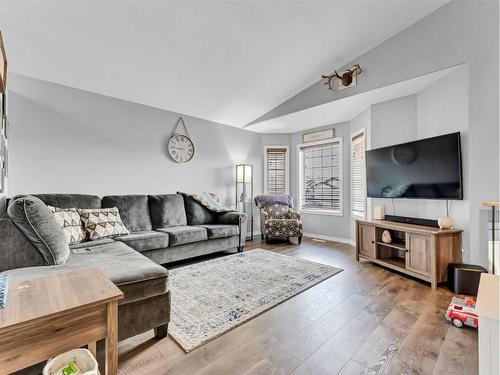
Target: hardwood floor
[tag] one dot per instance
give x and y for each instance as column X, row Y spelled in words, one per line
column 365, row 320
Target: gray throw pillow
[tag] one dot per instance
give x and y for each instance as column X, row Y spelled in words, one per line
column 39, row 225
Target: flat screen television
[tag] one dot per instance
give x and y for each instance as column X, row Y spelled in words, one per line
column 429, row 168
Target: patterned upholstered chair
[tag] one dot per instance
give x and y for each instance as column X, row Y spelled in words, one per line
column 278, row 219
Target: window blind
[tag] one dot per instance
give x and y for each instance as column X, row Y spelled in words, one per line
column 277, row 170
column 321, row 181
column 358, row 175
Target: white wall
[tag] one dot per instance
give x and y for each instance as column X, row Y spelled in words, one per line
column 72, row 141
column 394, row 121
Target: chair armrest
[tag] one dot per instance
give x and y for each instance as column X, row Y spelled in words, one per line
column 294, row 215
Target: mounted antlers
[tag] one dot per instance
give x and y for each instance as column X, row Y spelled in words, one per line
column 346, row 77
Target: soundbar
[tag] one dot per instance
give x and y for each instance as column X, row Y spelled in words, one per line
column 412, row 220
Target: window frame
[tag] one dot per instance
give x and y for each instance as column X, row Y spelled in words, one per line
column 287, row 167
column 321, row 211
column 354, row 135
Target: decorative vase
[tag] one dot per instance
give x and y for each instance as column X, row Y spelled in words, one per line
column 386, row 237
column 379, row 212
column 445, row 223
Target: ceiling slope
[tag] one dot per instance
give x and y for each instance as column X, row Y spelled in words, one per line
column 227, row 62
column 346, row 108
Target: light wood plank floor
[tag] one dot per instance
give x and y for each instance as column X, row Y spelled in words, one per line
column 365, row 320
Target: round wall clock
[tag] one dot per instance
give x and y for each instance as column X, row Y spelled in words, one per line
column 181, row 148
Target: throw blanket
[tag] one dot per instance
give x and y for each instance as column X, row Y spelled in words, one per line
column 264, row 200
column 208, row 200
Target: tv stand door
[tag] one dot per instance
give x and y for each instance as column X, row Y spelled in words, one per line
column 367, row 240
column 418, row 257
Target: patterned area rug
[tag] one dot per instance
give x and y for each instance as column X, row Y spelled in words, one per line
column 213, row 297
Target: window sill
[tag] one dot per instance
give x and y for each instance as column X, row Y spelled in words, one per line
column 320, row 212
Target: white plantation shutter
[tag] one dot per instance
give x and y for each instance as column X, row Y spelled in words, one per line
column 358, row 176
column 277, row 170
column 321, row 177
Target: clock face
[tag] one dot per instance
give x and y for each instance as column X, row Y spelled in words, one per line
column 181, row 148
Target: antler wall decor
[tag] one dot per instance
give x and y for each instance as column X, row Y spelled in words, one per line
column 346, row 78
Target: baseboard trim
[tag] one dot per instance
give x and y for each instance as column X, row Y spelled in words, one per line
column 347, row 241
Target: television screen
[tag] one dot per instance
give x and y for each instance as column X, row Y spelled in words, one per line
column 428, row 168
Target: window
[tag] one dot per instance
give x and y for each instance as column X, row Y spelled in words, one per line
column 320, row 170
column 276, row 170
column 358, row 175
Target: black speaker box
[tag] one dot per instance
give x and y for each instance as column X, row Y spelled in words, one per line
column 464, row 278
column 412, row 220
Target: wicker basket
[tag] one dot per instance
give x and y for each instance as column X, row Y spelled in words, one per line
column 81, row 357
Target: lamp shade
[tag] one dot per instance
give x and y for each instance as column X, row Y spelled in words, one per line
column 243, row 173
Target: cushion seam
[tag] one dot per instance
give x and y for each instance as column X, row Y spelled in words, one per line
column 36, row 232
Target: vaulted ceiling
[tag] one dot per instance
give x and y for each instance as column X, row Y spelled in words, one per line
column 224, row 61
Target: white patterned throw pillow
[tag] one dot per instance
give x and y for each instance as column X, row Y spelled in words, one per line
column 102, row 222
column 71, row 223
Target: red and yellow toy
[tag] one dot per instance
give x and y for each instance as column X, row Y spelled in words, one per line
column 462, row 312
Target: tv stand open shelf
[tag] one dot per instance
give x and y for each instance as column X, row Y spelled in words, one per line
column 419, row 251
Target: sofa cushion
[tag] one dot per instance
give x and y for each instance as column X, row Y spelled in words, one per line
column 40, row 226
column 71, row 223
column 71, row 200
column 102, row 222
column 137, row 276
column 185, row 234
column 145, row 240
column 197, row 214
column 134, row 210
column 220, row 230
column 167, row 210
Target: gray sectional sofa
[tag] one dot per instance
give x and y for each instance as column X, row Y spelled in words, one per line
column 163, row 229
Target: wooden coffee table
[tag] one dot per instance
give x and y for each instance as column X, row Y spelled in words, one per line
column 48, row 316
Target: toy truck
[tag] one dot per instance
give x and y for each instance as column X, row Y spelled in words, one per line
column 462, row 312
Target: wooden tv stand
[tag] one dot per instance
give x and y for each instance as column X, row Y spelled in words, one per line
column 419, row 251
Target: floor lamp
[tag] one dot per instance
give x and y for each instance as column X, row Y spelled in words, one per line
column 244, row 193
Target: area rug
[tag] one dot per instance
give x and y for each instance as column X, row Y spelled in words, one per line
column 212, row 297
